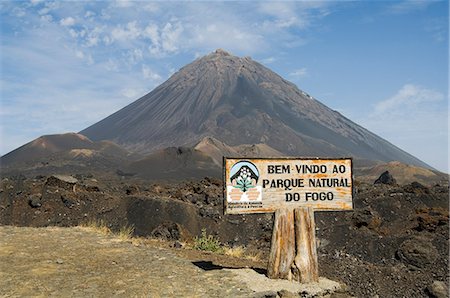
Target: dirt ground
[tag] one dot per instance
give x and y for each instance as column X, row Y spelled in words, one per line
column 81, row 262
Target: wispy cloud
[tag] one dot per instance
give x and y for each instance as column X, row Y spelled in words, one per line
column 69, row 21
column 415, row 119
column 301, row 72
column 268, row 60
column 409, row 98
column 438, row 28
column 408, row 6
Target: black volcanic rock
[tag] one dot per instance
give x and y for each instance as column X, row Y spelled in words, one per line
column 385, row 178
column 239, row 101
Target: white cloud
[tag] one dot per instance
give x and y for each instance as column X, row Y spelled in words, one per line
column 70, row 96
column 125, row 33
column 292, row 14
column 301, row 72
column 89, row 14
column 135, row 56
column 438, row 27
column 36, row 2
column 268, row 60
column 165, row 40
column 132, row 93
column 19, row 12
column 408, row 97
column 151, row 7
column 79, row 54
column 124, row 3
column 407, row 6
column 47, row 18
column 149, row 74
column 49, row 7
column 415, row 119
column 69, row 21
column 170, row 35
column 225, row 35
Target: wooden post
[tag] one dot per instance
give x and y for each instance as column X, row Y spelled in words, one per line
column 305, row 243
column 282, row 251
column 293, row 252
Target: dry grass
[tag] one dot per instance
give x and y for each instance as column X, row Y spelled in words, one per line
column 98, row 226
column 253, row 256
column 125, row 233
column 242, row 252
column 236, row 251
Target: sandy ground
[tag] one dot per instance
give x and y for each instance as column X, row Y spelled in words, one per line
column 81, row 262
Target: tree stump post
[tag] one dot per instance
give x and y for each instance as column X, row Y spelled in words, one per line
column 282, row 250
column 305, row 242
column 293, row 253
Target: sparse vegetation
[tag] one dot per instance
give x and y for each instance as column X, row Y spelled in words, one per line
column 236, row 251
column 100, row 226
column 97, row 225
column 126, row 232
column 210, row 243
column 253, row 256
column 207, row 243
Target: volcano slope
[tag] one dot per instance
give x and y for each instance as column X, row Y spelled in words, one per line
column 239, row 101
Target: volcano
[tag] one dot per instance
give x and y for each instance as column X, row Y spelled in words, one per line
column 240, row 102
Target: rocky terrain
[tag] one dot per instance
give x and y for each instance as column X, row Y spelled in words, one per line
column 393, row 244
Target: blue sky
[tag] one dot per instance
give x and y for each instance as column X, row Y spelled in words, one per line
column 383, row 64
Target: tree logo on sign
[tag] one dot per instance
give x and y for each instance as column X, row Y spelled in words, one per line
column 244, row 177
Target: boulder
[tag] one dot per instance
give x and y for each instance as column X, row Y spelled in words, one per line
column 437, row 289
column 62, row 181
column 416, row 188
column 366, row 218
column 168, row 231
column 417, row 252
column 35, row 201
column 386, row 178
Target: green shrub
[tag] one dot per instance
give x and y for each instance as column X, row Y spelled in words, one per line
column 207, row 242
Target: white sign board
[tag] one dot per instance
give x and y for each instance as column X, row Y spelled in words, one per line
column 265, row 185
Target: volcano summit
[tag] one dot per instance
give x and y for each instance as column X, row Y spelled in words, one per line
column 239, row 101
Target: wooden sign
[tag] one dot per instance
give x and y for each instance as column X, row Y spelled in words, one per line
column 293, row 188
column 265, row 185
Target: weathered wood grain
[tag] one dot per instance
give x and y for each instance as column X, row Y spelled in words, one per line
column 282, row 251
column 306, row 263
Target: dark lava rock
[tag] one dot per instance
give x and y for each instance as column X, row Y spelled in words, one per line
column 417, row 188
column 366, row 218
column 417, row 252
column 132, row 190
column 178, row 244
column 286, row 294
column 266, row 294
column 68, row 202
column 385, row 178
column 62, row 181
column 211, row 212
column 437, row 289
column 429, row 219
column 92, row 188
column 35, row 201
column 167, row 231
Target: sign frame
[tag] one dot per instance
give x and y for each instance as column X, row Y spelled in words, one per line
column 286, row 158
